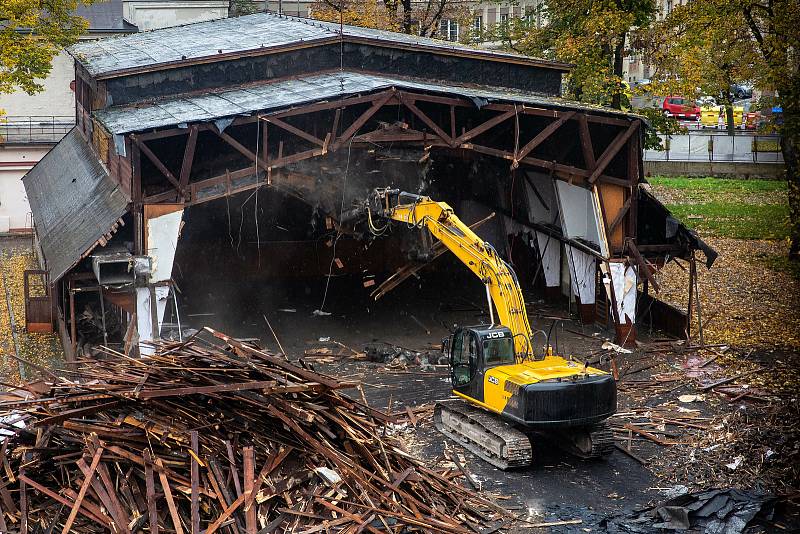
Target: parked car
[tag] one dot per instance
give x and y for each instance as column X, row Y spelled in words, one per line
column 683, row 108
column 643, row 85
column 742, row 90
column 706, row 101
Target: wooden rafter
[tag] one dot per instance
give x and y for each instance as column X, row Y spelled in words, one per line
column 243, row 150
column 188, row 157
column 543, row 135
column 586, row 142
column 157, row 162
column 293, row 129
column 485, row 126
column 612, row 150
column 408, row 101
column 362, row 120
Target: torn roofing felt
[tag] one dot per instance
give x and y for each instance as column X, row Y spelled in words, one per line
column 74, row 202
column 273, row 96
column 250, row 34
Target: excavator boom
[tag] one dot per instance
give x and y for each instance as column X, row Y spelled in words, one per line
column 478, row 255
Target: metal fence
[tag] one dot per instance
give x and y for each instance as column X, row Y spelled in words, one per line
column 17, row 129
column 700, row 146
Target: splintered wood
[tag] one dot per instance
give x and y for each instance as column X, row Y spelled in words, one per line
column 213, row 435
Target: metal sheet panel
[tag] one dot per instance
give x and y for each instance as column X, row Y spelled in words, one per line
column 270, row 97
column 245, row 34
column 74, row 202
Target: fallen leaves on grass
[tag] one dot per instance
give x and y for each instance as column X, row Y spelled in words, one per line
column 40, row 349
column 744, row 301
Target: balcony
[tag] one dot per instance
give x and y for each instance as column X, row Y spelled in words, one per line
column 23, row 130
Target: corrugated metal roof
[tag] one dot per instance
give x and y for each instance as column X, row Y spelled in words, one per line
column 266, row 97
column 241, row 35
column 74, row 202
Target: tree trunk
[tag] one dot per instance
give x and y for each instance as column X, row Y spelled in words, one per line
column 619, row 53
column 407, row 16
column 790, row 147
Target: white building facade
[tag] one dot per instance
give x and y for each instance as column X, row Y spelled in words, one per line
column 32, row 124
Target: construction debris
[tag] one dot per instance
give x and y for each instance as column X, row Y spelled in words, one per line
column 214, row 434
column 716, row 511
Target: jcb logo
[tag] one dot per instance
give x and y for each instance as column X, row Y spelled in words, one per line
column 493, row 380
column 492, row 335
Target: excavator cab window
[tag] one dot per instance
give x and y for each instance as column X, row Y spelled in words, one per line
column 499, row 351
column 463, row 357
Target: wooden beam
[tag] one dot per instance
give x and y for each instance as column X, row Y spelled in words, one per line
column 543, row 135
column 643, row 266
column 150, row 488
column 161, row 134
column 297, row 131
column 188, row 157
column 249, row 468
column 485, row 126
column 586, row 142
column 620, row 214
column 173, row 511
column 73, row 513
column 362, row 120
column 241, row 148
column 157, row 162
column 195, row 476
column 612, row 151
column 408, row 101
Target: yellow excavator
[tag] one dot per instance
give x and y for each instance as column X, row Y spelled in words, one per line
column 512, row 394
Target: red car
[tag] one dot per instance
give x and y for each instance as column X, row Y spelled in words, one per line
column 677, row 106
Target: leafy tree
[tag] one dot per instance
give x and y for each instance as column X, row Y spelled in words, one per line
column 729, row 40
column 775, row 27
column 32, row 33
column 591, row 34
column 703, row 45
column 407, row 16
column 237, row 8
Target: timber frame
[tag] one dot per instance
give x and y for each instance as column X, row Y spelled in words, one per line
column 432, row 130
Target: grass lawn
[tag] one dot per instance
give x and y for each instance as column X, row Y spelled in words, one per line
column 741, row 209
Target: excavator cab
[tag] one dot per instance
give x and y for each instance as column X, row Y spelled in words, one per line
column 472, row 350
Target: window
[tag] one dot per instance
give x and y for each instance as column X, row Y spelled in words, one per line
column 499, row 351
column 477, row 25
column 448, row 29
column 460, row 360
column 503, row 18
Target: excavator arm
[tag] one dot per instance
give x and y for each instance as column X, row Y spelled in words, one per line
column 502, row 286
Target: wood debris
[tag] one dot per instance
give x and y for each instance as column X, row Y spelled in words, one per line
column 213, row 434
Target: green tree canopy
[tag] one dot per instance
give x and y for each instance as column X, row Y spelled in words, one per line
column 591, row 34
column 32, row 32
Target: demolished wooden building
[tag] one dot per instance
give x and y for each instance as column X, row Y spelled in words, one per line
column 175, row 122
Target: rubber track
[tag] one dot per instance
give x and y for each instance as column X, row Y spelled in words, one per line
column 517, row 450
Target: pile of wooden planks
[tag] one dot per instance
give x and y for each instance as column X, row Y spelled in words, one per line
column 209, row 435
